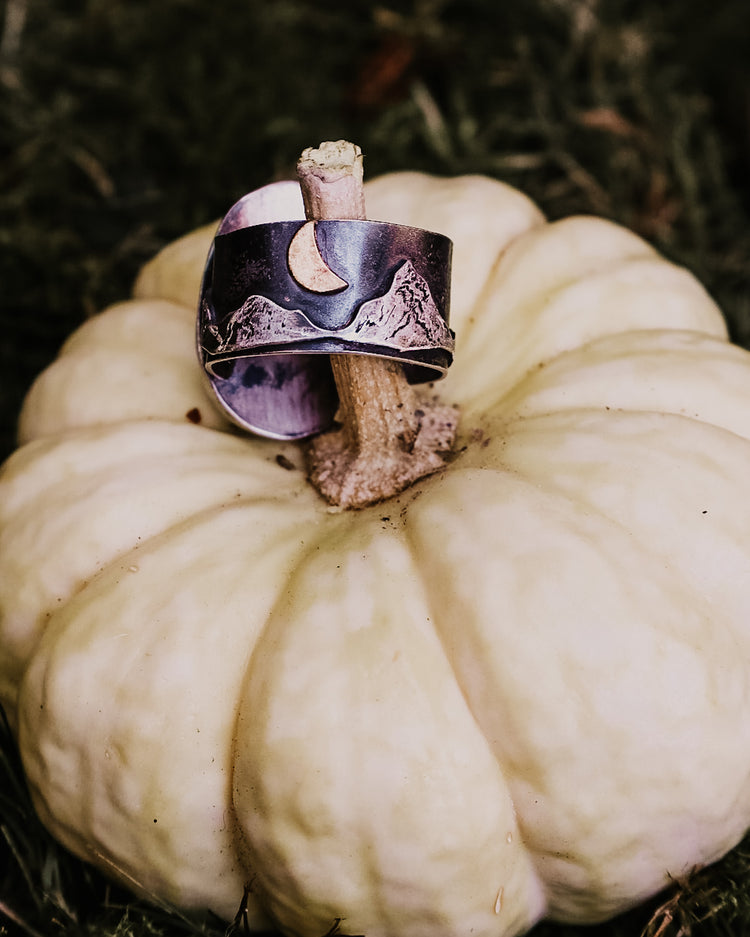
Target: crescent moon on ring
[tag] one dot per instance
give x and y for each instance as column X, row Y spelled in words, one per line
column 307, row 265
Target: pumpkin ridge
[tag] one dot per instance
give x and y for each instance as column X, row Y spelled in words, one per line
column 416, row 549
column 321, row 721
column 543, row 318
column 442, row 630
column 532, row 684
column 642, row 371
column 125, row 363
column 715, row 473
column 87, row 530
column 209, row 636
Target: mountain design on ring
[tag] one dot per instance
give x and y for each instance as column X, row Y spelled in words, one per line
column 405, row 318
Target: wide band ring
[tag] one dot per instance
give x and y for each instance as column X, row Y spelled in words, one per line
column 279, row 297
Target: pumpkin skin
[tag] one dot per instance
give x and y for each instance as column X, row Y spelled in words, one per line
column 519, row 689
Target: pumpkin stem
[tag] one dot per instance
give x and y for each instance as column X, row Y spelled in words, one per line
column 388, row 437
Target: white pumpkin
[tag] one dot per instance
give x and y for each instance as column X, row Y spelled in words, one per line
column 519, row 689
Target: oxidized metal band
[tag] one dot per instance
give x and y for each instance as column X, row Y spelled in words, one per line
column 280, row 296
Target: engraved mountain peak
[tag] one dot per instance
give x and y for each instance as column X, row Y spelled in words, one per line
column 406, row 315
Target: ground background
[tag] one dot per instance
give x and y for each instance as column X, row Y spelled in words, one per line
column 125, row 124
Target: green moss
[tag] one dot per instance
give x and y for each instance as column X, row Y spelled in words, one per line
column 124, row 124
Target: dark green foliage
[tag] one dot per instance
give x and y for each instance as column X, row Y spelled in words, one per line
column 124, row 124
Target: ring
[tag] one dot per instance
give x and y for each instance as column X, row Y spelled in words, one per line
column 280, row 296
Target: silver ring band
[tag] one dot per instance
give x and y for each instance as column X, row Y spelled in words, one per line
column 279, row 297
